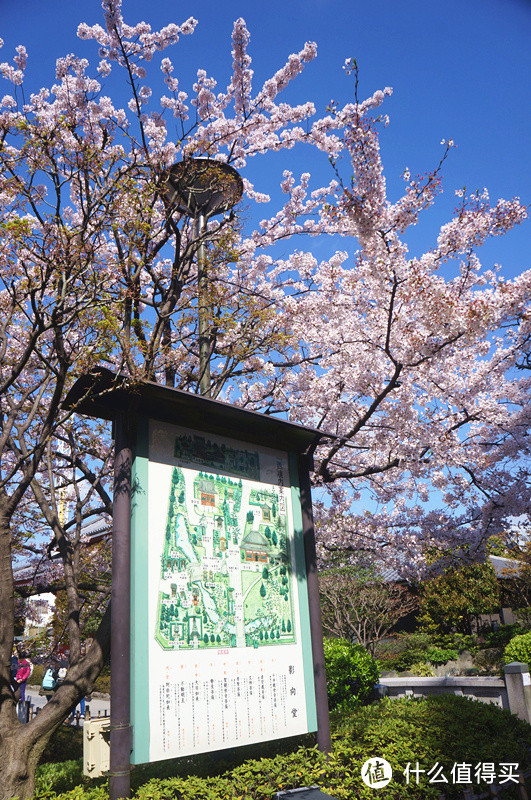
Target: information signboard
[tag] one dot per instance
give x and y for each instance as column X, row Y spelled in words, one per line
column 220, row 639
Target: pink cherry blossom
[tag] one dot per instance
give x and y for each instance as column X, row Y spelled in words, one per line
column 415, row 368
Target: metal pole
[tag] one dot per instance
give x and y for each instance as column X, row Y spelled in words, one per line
column 119, row 774
column 203, row 309
column 324, row 742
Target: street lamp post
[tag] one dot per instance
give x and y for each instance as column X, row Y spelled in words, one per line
column 200, row 188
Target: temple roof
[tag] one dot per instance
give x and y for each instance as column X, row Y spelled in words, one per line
column 255, row 539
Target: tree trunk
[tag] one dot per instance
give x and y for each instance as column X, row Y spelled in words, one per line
column 21, row 746
column 20, row 752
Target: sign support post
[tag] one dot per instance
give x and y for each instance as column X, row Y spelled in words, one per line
column 119, row 775
column 324, row 742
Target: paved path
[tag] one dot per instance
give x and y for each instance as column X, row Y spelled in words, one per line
column 99, row 705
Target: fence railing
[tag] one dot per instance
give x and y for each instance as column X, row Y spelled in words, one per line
column 512, row 691
column 487, row 689
column 26, row 711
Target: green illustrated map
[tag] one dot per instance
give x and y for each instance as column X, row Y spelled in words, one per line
column 225, row 577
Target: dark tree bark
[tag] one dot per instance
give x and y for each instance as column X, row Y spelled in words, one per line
column 21, row 746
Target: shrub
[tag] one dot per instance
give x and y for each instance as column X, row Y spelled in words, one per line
column 388, row 651
column 422, row 670
column 436, row 655
column 456, row 641
column 66, row 744
column 403, row 651
column 500, row 637
column 519, row 649
column 351, row 673
column 405, row 661
column 443, row 729
column 58, row 777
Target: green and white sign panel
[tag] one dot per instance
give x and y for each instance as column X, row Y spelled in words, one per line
column 220, row 643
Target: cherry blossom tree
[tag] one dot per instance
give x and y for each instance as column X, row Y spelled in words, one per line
column 407, row 364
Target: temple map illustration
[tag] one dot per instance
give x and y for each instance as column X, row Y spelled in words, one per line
column 225, row 577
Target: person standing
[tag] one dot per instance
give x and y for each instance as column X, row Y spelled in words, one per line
column 24, row 670
column 49, row 681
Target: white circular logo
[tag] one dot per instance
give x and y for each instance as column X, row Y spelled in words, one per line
column 376, row 772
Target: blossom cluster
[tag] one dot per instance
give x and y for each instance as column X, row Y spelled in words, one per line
column 409, row 368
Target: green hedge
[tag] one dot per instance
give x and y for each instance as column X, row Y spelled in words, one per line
column 443, row 729
column 519, row 649
column 351, row 673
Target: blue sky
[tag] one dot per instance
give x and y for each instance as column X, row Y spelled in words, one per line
column 459, row 69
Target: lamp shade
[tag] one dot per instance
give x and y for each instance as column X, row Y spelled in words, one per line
column 202, row 186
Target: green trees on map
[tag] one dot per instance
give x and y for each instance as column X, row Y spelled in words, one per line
column 214, row 532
